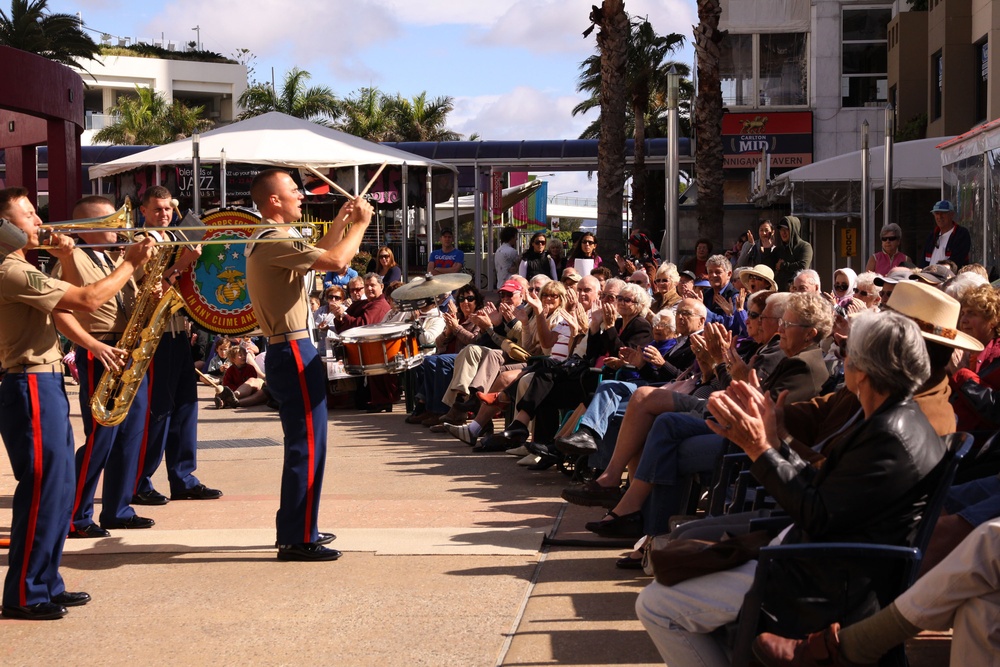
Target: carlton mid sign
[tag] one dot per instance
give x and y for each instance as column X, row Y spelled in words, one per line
column 787, row 138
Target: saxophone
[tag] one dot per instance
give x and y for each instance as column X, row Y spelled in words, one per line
column 117, row 389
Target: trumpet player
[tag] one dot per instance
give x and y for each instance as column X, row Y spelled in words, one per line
column 111, row 449
column 173, row 385
column 295, row 372
column 34, row 419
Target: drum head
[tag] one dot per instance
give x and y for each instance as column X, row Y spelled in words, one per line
column 376, row 331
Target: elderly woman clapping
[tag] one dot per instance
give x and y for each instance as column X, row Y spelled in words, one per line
column 871, row 488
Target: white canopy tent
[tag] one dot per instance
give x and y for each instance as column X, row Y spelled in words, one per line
column 278, row 140
column 916, row 165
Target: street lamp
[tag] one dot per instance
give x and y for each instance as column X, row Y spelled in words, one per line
column 568, row 192
column 197, row 43
column 673, row 162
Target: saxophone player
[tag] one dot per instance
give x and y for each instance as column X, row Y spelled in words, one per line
column 111, row 449
column 34, row 419
column 173, row 386
column 296, row 374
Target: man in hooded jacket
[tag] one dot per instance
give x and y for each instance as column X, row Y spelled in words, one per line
column 793, row 254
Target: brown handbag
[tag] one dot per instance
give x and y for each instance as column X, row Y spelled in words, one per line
column 680, row 560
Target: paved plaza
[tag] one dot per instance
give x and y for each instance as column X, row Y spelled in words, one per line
column 443, row 564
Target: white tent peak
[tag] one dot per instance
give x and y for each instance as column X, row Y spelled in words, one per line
column 273, row 139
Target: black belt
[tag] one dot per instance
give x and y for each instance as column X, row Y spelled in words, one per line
column 107, row 337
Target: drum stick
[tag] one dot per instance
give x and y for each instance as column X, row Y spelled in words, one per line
column 206, row 378
column 330, row 183
column 372, row 181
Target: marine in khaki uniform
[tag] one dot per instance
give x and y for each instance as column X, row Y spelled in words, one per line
column 296, row 374
column 113, row 450
column 34, row 410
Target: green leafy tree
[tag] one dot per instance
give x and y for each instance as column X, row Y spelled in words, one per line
column 146, row 119
column 29, row 26
column 369, row 114
column 645, row 81
column 418, row 119
column 315, row 103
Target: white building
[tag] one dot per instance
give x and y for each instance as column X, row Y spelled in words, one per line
column 216, row 86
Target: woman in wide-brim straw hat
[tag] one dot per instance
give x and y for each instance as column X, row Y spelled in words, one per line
column 759, row 272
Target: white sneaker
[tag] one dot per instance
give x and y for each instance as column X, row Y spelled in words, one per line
column 520, row 451
column 462, row 433
column 529, row 460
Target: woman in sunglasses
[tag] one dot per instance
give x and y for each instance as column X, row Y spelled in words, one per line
column 889, row 257
column 584, row 248
column 845, row 284
column 535, row 260
column 386, row 267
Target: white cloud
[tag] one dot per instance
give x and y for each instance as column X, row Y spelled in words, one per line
column 522, row 113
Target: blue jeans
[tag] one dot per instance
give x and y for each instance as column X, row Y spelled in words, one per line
column 977, row 501
column 609, row 401
column 437, row 372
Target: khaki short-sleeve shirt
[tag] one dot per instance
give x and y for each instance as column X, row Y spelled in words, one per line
column 113, row 315
column 275, row 274
column 27, row 298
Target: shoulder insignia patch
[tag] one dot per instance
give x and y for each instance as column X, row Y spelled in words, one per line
column 37, row 280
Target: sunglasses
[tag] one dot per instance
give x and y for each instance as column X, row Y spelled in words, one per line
column 534, row 290
column 550, row 295
column 660, row 281
column 335, row 298
column 624, row 299
column 752, row 315
column 539, row 242
column 890, row 238
column 840, row 287
column 588, row 243
column 465, row 299
column 866, row 293
column 383, row 256
column 506, row 295
column 357, row 289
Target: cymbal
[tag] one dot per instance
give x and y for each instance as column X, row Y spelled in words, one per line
column 431, row 286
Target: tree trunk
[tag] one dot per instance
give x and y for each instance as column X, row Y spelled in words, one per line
column 612, row 40
column 708, row 123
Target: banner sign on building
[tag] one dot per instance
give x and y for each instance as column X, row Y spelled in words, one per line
column 787, row 137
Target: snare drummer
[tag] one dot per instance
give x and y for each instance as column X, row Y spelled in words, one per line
column 295, row 372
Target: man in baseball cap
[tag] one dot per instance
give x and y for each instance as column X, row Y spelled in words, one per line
column 948, row 240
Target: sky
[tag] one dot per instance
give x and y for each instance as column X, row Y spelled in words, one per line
column 510, row 66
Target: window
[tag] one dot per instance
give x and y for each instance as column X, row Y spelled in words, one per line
column 764, row 70
column 937, row 84
column 982, row 78
column 864, row 56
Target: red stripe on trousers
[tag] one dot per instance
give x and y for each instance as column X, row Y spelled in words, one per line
column 145, row 431
column 304, row 387
column 36, row 491
column 88, row 447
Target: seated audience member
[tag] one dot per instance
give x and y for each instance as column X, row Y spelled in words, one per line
column 806, row 280
column 975, row 268
column 697, row 265
column 868, row 291
column 243, row 382
column 975, row 384
column 434, row 374
column 361, row 312
column 959, row 594
column 962, row 283
column 666, row 458
column 219, row 361
column 724, row 301
column 341, row 279
column 665, row 287
column 871, row 488
column 602, row 273
column 889, row 281
column 845, row 285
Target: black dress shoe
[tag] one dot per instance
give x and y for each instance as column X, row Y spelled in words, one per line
column 151, row 497
column 307, row 552
column 626, row 525
column 197, row 492
column 628, row 563
column 134, row 522
column 496, row 443
column 581, row 443
column 68, row 599
column 592, row 494
column 325, row 538
column 91, row 530
column 43, row 611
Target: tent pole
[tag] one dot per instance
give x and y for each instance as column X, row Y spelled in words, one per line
column 477, row 211
column 867, row 228
column 222, row 178
column 406, row 225
column 889, row 132
column 430, row 210
column 196, row 176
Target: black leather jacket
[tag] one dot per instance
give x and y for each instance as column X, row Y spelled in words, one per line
column 871, row 489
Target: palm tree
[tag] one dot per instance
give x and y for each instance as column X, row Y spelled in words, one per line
column 420, row 120
column 60, row 37
column 146, row 119
column 612, row 40
column 708, row 121
column 317, row 103
column 370, row 115
column 646, row 78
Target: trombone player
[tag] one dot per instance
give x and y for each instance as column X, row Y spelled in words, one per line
column 34, row 421
column 111, row 449
column 173, row 391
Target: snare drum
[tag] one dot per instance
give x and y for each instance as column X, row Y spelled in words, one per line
column 377, row 349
